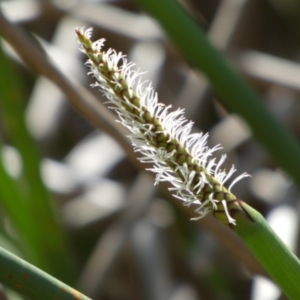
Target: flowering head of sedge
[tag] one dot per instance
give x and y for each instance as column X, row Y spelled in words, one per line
column 161, row 137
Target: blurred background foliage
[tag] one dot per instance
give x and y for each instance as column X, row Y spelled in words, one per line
column 73, row 198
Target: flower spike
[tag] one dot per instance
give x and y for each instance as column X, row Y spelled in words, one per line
column 161, row 137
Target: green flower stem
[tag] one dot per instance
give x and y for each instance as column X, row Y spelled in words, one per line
column 32, row 282
column 191, row 41
column 278, row 260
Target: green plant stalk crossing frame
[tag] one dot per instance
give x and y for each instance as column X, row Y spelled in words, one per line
column 32, row 282
column 278, row 260
column 282, row 265
column 235, row 92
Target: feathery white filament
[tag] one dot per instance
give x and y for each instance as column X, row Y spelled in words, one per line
column 118, row 76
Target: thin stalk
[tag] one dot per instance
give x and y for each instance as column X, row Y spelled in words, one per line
column 235, row 92
column 278, row 260
column 282, row 265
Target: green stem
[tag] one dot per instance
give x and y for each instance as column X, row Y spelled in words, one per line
column 278, row 260
column 235, row 92
column 32, row 282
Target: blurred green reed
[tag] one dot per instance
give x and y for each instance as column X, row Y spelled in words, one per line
column 25, row 201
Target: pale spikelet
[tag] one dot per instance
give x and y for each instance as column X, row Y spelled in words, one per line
column 162, row 138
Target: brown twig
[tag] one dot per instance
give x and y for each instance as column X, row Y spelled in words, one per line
column 78, row 96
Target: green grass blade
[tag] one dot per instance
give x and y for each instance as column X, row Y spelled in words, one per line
column 191, row 41
column 48, row 239
column 32, row 282
column 278, row 260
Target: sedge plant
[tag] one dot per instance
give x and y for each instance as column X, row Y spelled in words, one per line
column 163, row 139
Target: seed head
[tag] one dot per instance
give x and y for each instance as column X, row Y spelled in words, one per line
column 162, row 138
